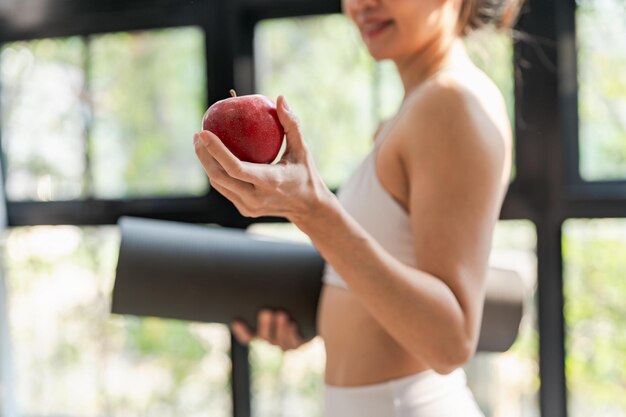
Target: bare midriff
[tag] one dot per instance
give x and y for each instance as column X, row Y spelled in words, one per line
column 358, row 349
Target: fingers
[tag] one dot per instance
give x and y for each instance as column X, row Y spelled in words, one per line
column 273, row 327
column 215, row 171
column 287, row 332
column 282, row 331
column 291, row 125
column 220, row 180
column 235, row 168
column 242, row 332
column 265, row 326
column 235, row 199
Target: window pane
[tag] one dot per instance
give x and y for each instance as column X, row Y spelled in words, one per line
column 492, row 51
column 594, row 255
column 149, row 97
column 320, row 64
column 286, row 383
column 43, row 123
column 136, row 98
column 340, row 93
column 507, row 384
column 600, row 34
column 73, row 358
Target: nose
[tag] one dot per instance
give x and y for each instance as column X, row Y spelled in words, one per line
column 367, row 3
column 364, row 4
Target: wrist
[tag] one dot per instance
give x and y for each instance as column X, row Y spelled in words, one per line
column 320, row 207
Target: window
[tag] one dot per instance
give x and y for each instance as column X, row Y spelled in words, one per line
column 102, row 117
column 594, row 255
column 148, row 91
column 492, row 52
column 106, row 116
column 319, row 64
column 68, row 145
column 286, row 383
column 600, row 32
column 73, row 358
column 43, row 124
column 507, row 384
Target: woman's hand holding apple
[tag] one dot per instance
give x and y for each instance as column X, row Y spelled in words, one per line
column 291, row 188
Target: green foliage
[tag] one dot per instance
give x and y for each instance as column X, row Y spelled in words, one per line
column 492, row 52
column 163, row 338
column 41, row 120
column 602, row 89
column 325, row 72
column 131, row 101
column 594, row 254
column 149, row 97
column 67, row 343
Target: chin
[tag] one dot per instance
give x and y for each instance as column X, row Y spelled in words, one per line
column 381, row 54
column 379, row 57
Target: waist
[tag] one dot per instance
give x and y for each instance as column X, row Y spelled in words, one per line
column 358, row 349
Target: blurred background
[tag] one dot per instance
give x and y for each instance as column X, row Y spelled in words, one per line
column 98, row 104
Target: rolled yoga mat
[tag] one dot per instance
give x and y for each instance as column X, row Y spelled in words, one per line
column 215, row 274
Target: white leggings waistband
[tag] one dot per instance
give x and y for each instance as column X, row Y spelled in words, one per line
column 424, row 394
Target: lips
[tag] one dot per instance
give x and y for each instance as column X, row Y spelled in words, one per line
column 374, row 28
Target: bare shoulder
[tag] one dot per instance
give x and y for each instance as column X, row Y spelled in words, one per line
column 455, row 115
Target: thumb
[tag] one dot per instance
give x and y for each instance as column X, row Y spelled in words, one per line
column 291, row 125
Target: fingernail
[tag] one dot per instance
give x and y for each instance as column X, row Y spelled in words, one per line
column 196, row 139
column 286, row 105
column 205, row 138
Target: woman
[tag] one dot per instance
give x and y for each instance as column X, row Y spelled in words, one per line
column 407, row 238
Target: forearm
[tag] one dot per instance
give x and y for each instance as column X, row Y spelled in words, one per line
column 417, row 309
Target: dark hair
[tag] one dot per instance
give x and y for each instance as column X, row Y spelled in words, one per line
column 475, row 14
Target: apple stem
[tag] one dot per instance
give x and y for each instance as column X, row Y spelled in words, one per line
column 233, row 93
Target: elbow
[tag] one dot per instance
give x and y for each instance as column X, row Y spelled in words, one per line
column 455, row 356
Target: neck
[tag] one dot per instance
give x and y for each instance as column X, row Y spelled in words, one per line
column 416, row 68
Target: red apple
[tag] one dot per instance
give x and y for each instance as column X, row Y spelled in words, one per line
column 248, row 126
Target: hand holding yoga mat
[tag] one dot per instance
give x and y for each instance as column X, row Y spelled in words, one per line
column 214, row 274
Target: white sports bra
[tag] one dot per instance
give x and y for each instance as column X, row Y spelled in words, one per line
column 377, row 211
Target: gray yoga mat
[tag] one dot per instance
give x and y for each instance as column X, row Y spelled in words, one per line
column 214, row 274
